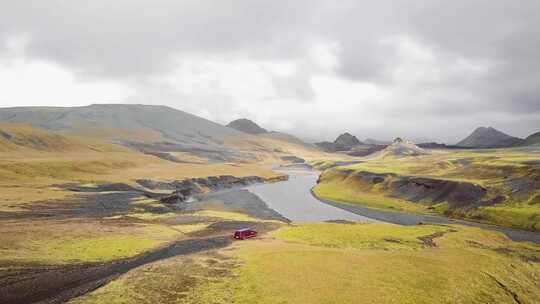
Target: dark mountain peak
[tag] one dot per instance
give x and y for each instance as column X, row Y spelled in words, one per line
column 489, row 137
column 246, row 126
column 346, row 141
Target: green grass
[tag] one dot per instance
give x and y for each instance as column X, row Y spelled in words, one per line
column 454, row 272
column 52, row 242
column 99, row 249
column 341, row 263
column 491, row 169
column 520, row 216
column 357, row 236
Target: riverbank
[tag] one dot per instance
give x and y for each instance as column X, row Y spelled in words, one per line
column 500, row 186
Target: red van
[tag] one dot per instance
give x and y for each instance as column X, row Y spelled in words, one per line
column 243, row 234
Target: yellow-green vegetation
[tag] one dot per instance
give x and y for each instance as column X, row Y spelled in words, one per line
column 59, row 242
column 343, row 263
column 500, row 171
column 514, row 215
column 355, row 237
column 228, row 215
column 467, row 266
column 484, row 167
column 167, row 281
column 333, row 186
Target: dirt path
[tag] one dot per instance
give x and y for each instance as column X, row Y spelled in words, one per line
column 58, row 284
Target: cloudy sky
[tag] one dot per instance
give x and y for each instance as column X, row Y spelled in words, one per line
column 425, row 69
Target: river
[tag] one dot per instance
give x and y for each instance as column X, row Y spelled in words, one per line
column 293, row 200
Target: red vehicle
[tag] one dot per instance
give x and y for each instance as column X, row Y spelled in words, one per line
column 243, row 234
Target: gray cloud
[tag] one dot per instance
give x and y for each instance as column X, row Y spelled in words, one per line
column 478, row 60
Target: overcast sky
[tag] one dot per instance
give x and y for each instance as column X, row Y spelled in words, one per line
column 424, row 69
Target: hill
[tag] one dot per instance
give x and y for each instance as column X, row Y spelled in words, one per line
column 533, row 139
column 344, row 142
column 19, row 137
column 489, row 137
column 160, row 131
column 246, row 126
column 169, row 123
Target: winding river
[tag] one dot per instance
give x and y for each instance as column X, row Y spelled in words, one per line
column 293, row 200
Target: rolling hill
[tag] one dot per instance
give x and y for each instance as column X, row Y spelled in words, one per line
column 533, row 139
column 155, row 130
column 170, row 123
column 246, row 126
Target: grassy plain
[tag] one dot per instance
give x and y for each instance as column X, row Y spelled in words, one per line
column 343, row 263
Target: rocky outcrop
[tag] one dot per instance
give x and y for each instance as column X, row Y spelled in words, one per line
column 433, row 191
column 429, row 191
column 184, row 189
column 402, row 148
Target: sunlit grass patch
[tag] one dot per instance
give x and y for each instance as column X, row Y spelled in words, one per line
column 462, row 269
column 71, row 241
column 520, row 216
column 358, row 235
column 189, row 228
column 148, row 216
column 227, row 215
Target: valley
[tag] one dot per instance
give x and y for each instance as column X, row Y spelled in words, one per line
column 137, row 204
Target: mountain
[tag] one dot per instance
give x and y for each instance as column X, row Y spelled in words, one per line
column 169, row 123
column 346, row 141
column 489, row 137
column 533, row 139
column 246, row 126
column 402, row 148
column 16, row 137
column 343, row 142
column 155, row 130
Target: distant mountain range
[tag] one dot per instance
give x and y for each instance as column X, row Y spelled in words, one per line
column 490, row 137
column 160, row 129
